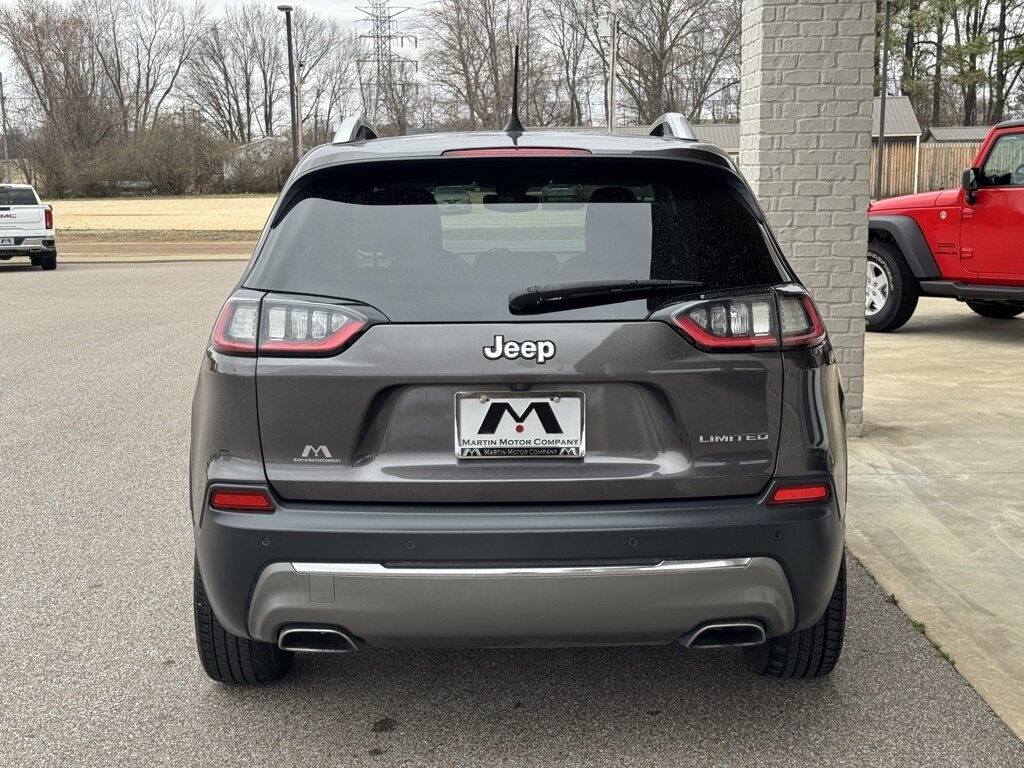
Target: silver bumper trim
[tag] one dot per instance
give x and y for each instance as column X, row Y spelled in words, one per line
column 520, row 605
column 377, row 570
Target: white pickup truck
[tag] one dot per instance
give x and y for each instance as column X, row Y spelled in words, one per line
column 26, row 226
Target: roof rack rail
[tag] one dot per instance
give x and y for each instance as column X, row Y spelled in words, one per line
column 354, row 128
column 673, row 124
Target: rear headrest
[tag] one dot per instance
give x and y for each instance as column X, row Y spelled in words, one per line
column 413, row 196
column 618, row 237
column 613, row 195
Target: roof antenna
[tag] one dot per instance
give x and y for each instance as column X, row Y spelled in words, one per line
column 513, row 125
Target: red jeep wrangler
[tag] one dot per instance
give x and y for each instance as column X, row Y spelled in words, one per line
column 967, row 243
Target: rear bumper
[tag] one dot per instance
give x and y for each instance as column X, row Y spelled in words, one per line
column 27, row 246
column 545, row 605
column 531, row 575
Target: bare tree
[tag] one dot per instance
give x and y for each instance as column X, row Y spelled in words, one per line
column 330, row 91
column 142, row 47
column 470, row 58
column 62, row 83
column 564, row 30
column 261, row 28
column 222, row 77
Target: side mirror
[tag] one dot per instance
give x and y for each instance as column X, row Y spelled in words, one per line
column 970, row 184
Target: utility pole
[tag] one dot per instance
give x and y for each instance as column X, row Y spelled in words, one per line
column 609, row 30
column 3, row 116
column 287, row 10
column 298, row 102
column 881, row 112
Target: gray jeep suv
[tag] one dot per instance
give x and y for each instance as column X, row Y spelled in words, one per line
column 615, row 422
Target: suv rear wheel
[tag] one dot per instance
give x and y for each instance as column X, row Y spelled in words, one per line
column 997, row 310
column 48, row 260
column 811, row 652
column 891, row 290
column 228, row 658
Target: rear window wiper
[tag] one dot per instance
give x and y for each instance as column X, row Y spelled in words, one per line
column 539, row 299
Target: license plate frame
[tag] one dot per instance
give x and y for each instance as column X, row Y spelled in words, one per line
column 6, row 241
column 519, row 420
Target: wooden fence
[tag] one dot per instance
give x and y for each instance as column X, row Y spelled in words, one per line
column 940, row 165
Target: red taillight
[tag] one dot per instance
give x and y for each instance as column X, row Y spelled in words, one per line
column 733, row 323
column 235, row 332
column 241, row 500
column 291, row 327
column 285, row 327
column 517, row 152
column 799, row 494
column 752, row 323
column 48, row 218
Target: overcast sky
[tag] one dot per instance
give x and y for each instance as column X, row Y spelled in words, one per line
column 345, row 11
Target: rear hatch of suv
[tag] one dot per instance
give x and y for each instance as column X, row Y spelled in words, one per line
column 392, row 367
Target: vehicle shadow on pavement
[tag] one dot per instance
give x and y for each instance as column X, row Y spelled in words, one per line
column 891, row 696
column 18, row 267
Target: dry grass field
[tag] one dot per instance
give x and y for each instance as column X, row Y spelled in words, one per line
column 161, row 219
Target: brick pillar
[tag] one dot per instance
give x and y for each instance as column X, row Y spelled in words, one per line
column 805, row 142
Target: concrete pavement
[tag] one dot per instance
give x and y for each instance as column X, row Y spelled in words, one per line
column 97, row 657
column 937, row 488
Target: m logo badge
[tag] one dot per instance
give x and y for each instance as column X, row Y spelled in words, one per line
column 318, row 450
column 497, row 411
column 316, row 454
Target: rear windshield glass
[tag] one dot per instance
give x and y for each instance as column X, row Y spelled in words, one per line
column 450, row 239
column 17, row 197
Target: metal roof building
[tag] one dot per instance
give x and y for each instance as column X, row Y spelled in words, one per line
column 900, row 125
column 972, row 133
column 725, row 135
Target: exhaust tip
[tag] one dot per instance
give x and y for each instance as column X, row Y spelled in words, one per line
column 316, row 640
column 726, row 634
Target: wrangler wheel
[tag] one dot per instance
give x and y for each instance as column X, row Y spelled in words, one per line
column 891, row 290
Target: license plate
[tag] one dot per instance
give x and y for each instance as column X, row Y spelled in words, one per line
column 6, row 241
column 533, row 425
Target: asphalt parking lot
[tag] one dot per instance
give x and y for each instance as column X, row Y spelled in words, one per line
column 97, row 657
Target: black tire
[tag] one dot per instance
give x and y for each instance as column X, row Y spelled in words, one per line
column 901, row 286
column 36, row 260
column 997, row 310
column 48, row 260
column 811, row 652
column 228, row 658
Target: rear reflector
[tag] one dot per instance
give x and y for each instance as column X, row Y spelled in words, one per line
column 798, row 494
column 241, row 501
column 517, row 152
